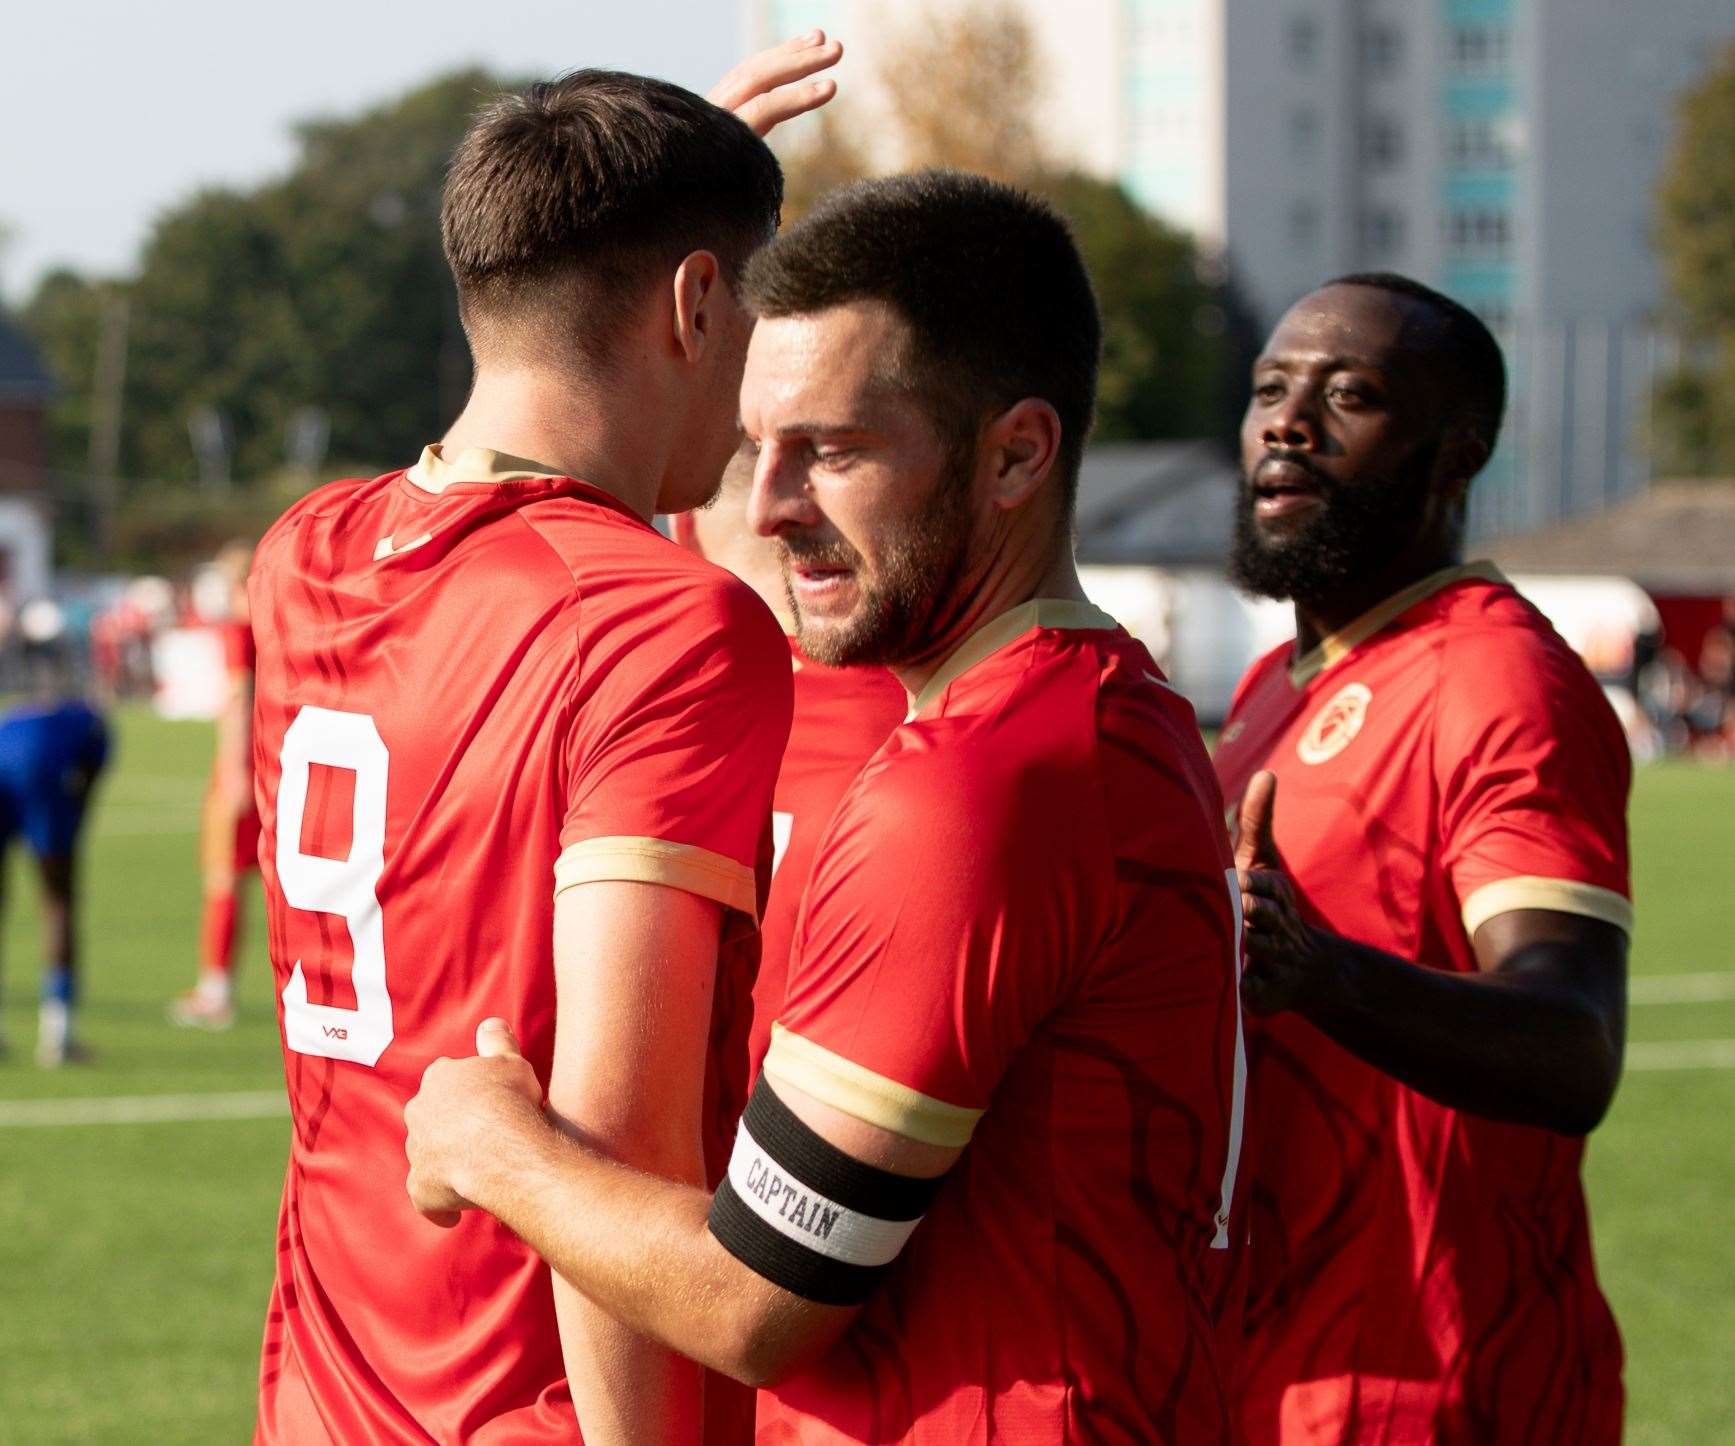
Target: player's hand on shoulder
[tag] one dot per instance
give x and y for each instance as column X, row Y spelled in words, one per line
column 1287, row 963
column 462, row 1117
column 767, row 89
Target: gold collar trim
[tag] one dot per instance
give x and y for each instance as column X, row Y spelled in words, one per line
column 993, row 635
column 435, row 471
column 1334, row 649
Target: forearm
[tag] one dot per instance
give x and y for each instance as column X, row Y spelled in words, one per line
column 636, row 1246
column 1513, row 1045
column 625, row 1388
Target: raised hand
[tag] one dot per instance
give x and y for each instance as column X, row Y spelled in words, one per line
column 1286, row 963
column 771, row 87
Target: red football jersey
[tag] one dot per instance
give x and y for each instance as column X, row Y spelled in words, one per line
column 478, row 684
column 1020, row 933
column 1419, row 1274
column 842, row 716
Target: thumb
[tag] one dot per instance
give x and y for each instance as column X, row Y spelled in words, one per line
column 1254, row 846
column 495, row 1037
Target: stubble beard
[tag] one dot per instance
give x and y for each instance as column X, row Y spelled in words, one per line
column 901, row 595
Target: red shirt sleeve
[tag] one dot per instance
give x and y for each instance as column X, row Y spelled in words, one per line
column 679, row 721
column 1532, row 772
column 934, row 939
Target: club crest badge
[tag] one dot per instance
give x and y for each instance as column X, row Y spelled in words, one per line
column 1335, row 726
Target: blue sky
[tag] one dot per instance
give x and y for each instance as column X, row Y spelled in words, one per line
column 112, row 111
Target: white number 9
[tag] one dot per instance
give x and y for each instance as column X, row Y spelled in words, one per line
column 345, row 887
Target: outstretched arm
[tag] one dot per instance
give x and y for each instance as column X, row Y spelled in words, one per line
column 638, row 1246
column 1534, row 1037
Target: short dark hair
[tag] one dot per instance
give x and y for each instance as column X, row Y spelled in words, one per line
column 1469, row 351
column 600, row 177
column 987, row 278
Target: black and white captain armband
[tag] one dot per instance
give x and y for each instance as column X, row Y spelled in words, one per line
column 800, row 1212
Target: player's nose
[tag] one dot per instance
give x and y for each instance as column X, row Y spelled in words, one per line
column 779, row 498
column 1291, row 423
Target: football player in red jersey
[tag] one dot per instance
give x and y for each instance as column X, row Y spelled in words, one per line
column 1020, row 933
column 1437, row 912
column 842, row 716
column 229, row 820
column 516, row 754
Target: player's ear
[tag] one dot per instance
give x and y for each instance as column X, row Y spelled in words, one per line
column 1019, row 449
column 697, row 281
column 1462, row 455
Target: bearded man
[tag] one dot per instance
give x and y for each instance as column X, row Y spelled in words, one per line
column 1437, row 912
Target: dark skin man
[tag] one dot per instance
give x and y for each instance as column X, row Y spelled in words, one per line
column 1430, row 790
column 1343, row 390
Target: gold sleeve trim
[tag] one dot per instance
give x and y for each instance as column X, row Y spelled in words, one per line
column 656, row 861
column 1563, row 896
column 845, row 1085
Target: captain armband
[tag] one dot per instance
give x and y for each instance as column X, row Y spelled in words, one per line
column 800, row 1212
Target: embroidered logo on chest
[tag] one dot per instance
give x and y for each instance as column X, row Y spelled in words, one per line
column 1335, row 726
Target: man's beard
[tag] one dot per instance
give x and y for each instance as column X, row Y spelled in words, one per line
column 1357, row 529
column 904, row 592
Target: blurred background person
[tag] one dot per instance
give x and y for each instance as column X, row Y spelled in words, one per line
column 229, row 822
column 52, row 748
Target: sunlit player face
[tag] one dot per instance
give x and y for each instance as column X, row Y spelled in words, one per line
column 870, row 508
column 1339, row 444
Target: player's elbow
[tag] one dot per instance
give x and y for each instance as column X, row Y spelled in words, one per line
column 770, row 1339
column 1587, row 1088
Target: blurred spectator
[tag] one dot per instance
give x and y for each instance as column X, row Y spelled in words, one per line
column 51, row 750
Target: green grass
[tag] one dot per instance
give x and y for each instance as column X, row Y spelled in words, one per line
column 135, row 1260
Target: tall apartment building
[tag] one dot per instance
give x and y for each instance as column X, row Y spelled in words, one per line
column 1504, row 150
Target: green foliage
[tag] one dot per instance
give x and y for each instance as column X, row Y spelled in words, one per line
column 64, row 319
column 1164, row 322
column 1696, row 239
column 324, row 288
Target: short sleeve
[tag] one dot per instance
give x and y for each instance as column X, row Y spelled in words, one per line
column 933, row 941
column 1533, row 774
column 678, row 729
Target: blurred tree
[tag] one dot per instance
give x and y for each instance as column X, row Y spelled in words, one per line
column 64, row 319
column 323, row 289
column 1696, row 239
column 960, row 88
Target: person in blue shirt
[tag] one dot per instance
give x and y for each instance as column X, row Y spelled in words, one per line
column 51, row 751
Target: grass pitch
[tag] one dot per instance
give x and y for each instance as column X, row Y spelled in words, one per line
column 135, row 1258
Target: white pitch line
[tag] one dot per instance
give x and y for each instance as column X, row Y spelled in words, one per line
column 1681, row 988
column 1682, row 1054
column 142, row 1109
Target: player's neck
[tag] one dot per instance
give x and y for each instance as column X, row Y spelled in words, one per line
column 1012, row 576
column 545, row 418
column 1317, row 620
